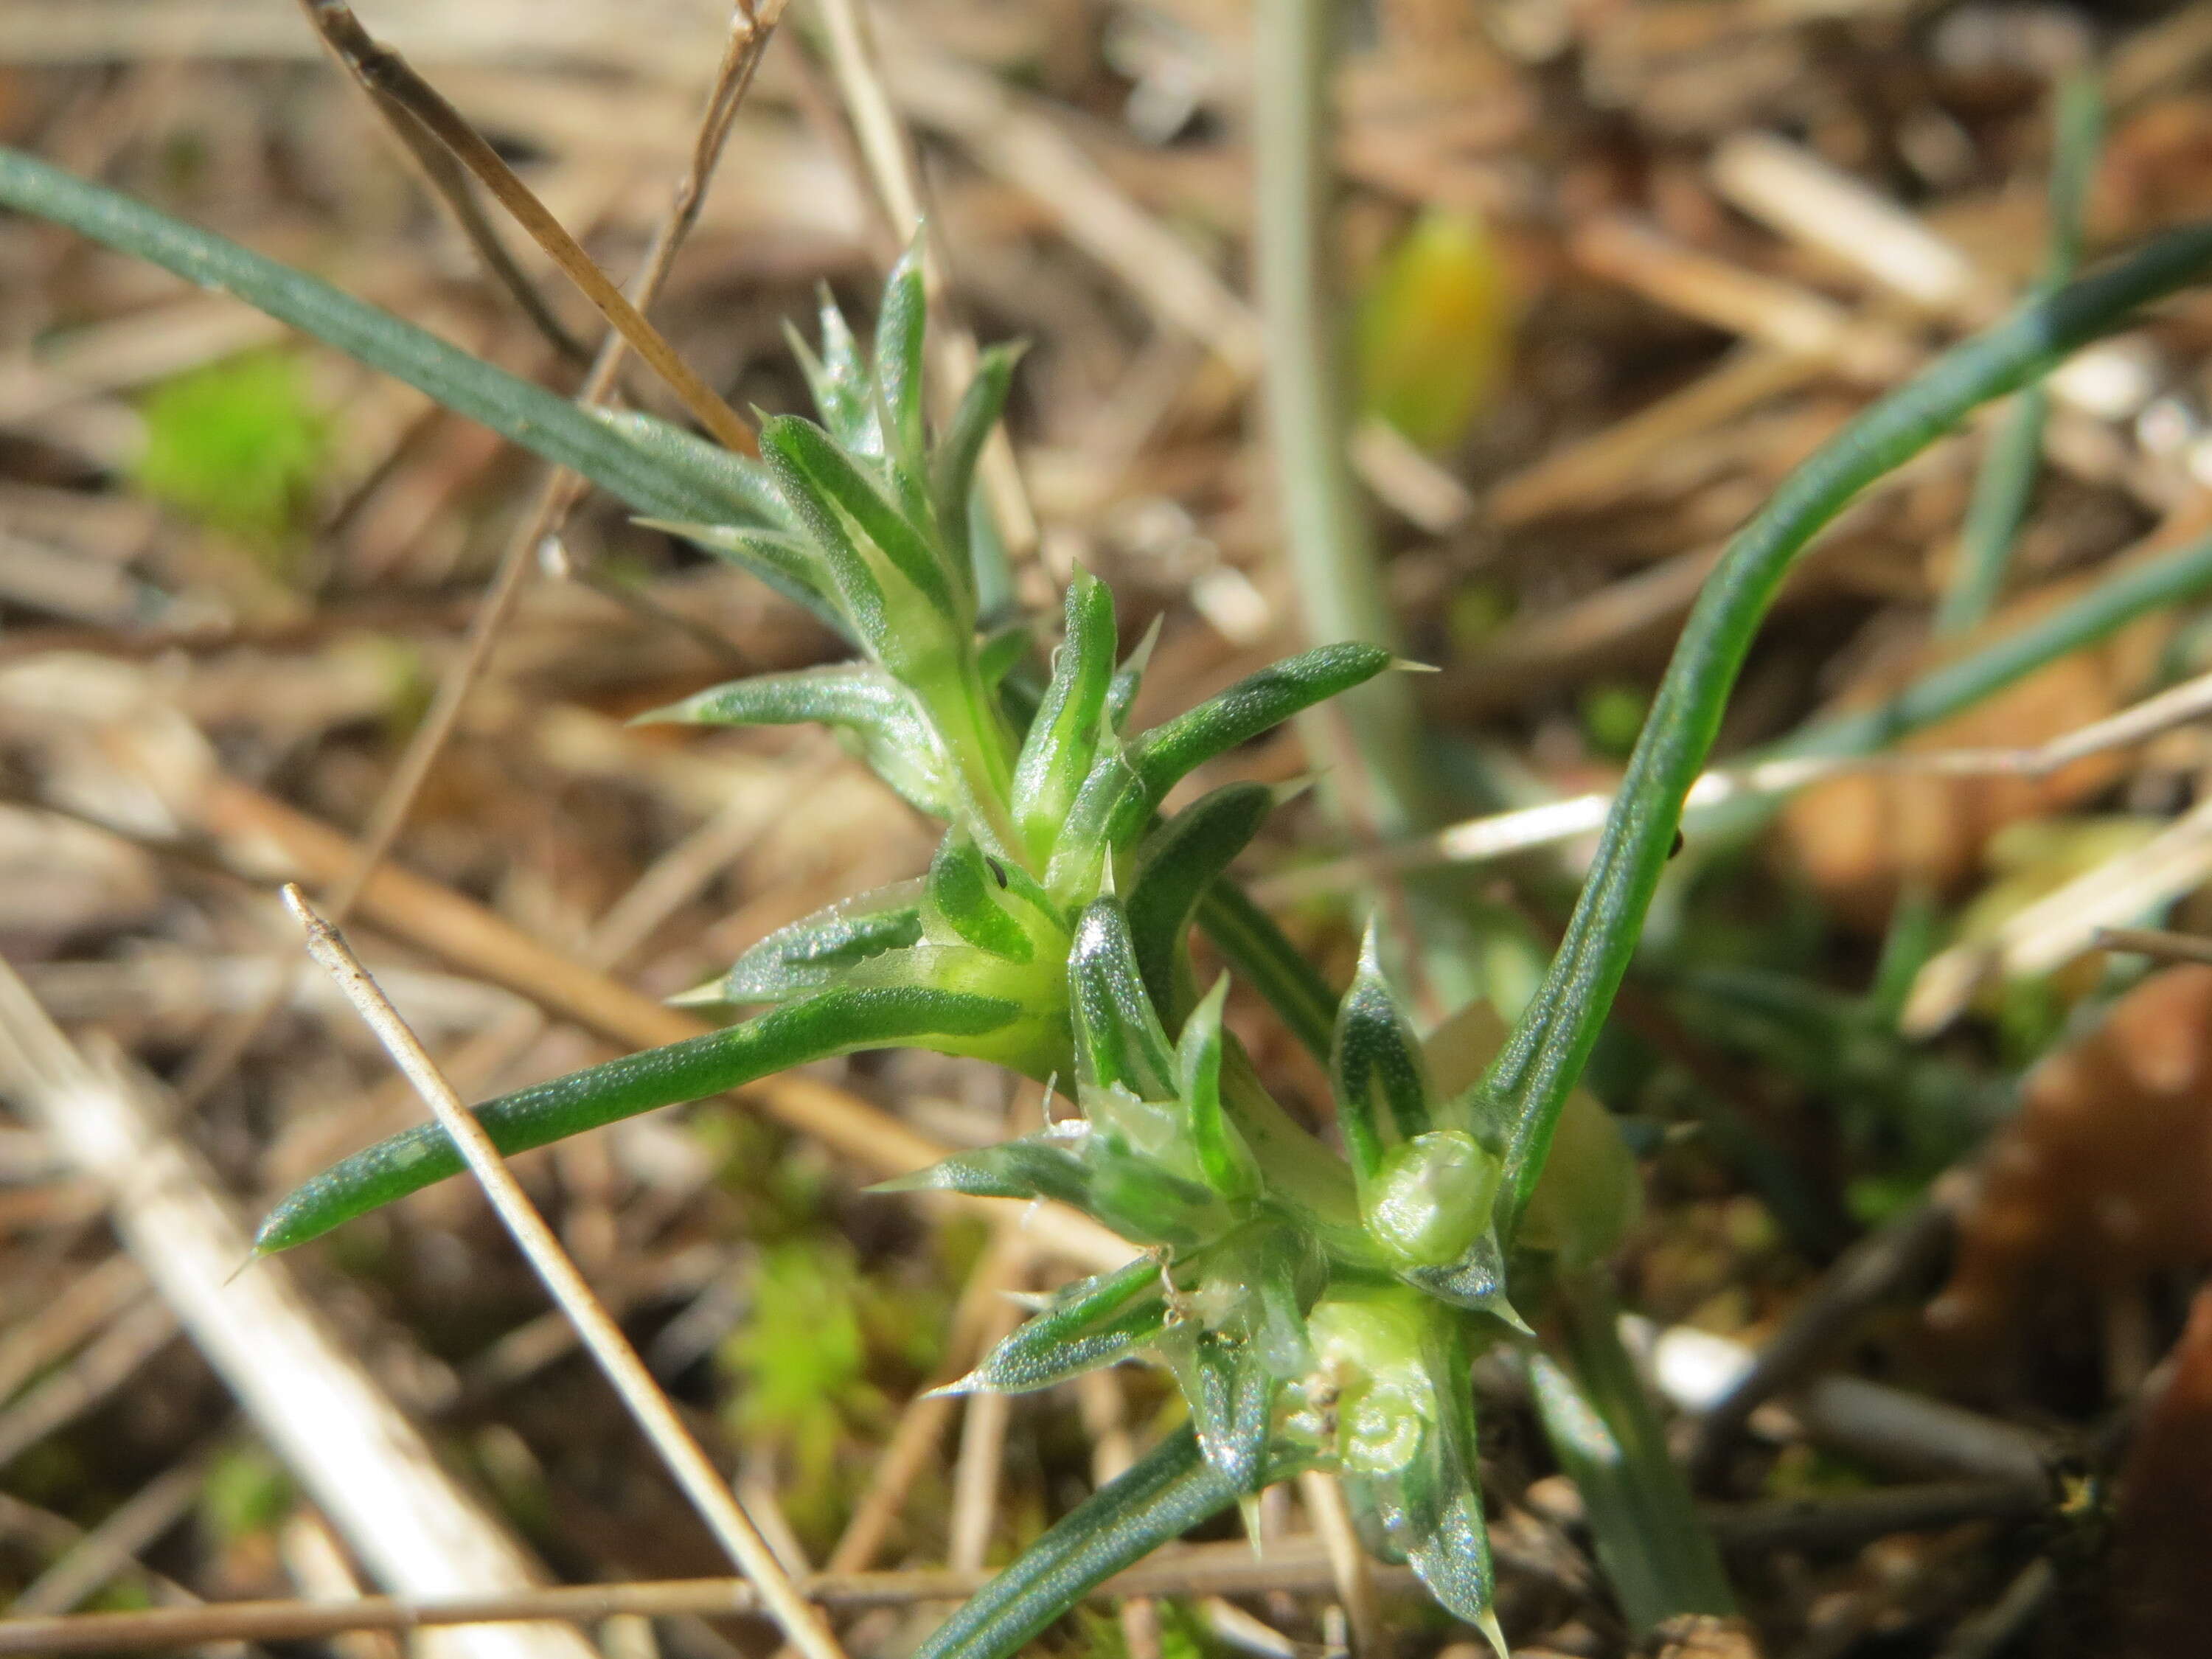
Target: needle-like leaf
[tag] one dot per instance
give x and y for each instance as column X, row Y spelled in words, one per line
column 834, row 1023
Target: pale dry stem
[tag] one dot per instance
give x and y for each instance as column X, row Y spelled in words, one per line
column 686, row 1461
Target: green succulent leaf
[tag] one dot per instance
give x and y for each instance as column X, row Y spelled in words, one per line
column 963, row 885
column 834, row 1023
column 1124, row 788
column 849, row 517
column 1475, row 1282
column 1258, row 952
column 1169, row 752
column 847, row 695
column 786, row 562
column 1095, row 1322
column 1118, row 1039
column 900, row 321
column 1403, row 1423
column 1157, row 1499
column 860, row 702
column 1105, row 816
column 1176, row 864
column 1222, row 1154
column 850, row 578
column 740, row 481
column 1063, row 738
column 1231, row 1396
column 541, row 422
column 809, row 955
column 1434, row 1512
column 952, row 467
column 1381, row 1079
column 1143, row 1200
column 1035, row 1166
column 1001, row 651
column 843, row 396
column 1124, row 686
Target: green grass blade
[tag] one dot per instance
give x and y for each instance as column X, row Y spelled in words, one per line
column 2128, row 595
column 2009, row 471
column 1658, row 1557
column 528, row 415
column 1547, row 1051
column 1162, row 1495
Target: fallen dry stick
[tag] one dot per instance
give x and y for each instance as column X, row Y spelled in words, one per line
column 1225, row 1569
column 365, row 1465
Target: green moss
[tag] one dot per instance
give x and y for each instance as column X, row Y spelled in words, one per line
column 237, row 446
column 804, row 1362
column 247, row 1491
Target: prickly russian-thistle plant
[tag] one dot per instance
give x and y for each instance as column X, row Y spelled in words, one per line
column 1049, row 936
column 1318, row 1312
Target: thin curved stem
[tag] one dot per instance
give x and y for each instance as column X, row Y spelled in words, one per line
column 1545, row 1052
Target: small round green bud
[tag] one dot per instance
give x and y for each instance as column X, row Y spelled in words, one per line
column 1432, row 1198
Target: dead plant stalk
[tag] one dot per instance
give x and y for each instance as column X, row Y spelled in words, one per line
column 655, row 1415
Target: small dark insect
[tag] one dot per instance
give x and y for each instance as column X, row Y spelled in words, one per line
column 1677, row 847
column 998, row 873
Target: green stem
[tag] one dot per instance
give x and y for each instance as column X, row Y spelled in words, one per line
column 1658, row 1557
column 1546, row 1053
column 529, row 415
column 1157, row 1499
column 1331, row 546
column 2153, row 585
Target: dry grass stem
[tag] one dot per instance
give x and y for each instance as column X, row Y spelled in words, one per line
column 1351, row 1569
column 1030, row 150
column 980, row 1466
column 640, row 1394
column 2155, row 943
column 104, row 1364
column 1594, row 471
column 449, row 180
column 1779, row 315
column 384, row 72
column 1501, row 834
column 2064, row 924
column 1228, row 1569
column 112, row 1547
column 921, row 1425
